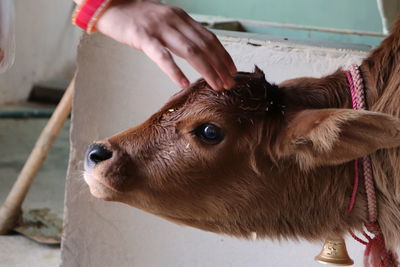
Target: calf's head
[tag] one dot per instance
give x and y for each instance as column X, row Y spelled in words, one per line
column 240, row 161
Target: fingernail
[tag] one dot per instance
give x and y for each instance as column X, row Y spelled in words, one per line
column 185, row 83
column 220, row 84
column 229, row 84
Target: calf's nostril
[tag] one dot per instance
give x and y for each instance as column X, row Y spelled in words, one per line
column 97, row 153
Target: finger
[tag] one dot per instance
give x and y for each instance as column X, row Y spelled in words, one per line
column 212, row 38
column 186, row 49
column 163, row 58
column 215, row 57
column 209, row 37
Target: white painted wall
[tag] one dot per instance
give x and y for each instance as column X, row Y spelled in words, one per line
column 118, row 87
column 45, row 47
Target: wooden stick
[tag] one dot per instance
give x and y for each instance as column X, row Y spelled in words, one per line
column 11, row 208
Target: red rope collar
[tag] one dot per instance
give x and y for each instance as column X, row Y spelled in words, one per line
column 376, row 254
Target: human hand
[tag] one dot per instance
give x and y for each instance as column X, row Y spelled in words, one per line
column 158, row 29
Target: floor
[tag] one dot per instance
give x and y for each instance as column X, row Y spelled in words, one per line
column 17, row 137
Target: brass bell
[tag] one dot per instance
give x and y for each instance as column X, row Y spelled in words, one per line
column 334, row 252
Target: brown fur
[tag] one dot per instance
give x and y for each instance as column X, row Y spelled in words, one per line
column 285, row 167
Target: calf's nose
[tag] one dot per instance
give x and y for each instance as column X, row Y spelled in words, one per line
column 95, row 154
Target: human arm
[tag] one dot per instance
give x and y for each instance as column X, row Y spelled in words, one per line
column 158, row 29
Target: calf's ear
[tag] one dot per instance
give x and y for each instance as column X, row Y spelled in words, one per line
column 334, row 136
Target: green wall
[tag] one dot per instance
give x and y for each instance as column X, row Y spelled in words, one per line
column 359, row 15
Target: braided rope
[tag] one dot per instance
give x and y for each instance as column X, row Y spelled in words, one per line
column 359, row 103
column 358, row 88
column 387, row 258
column 370, row 189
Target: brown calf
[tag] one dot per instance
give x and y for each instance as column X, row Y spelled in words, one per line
column 272, row 159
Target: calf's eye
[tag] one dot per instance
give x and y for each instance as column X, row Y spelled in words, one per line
column 209, row 133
